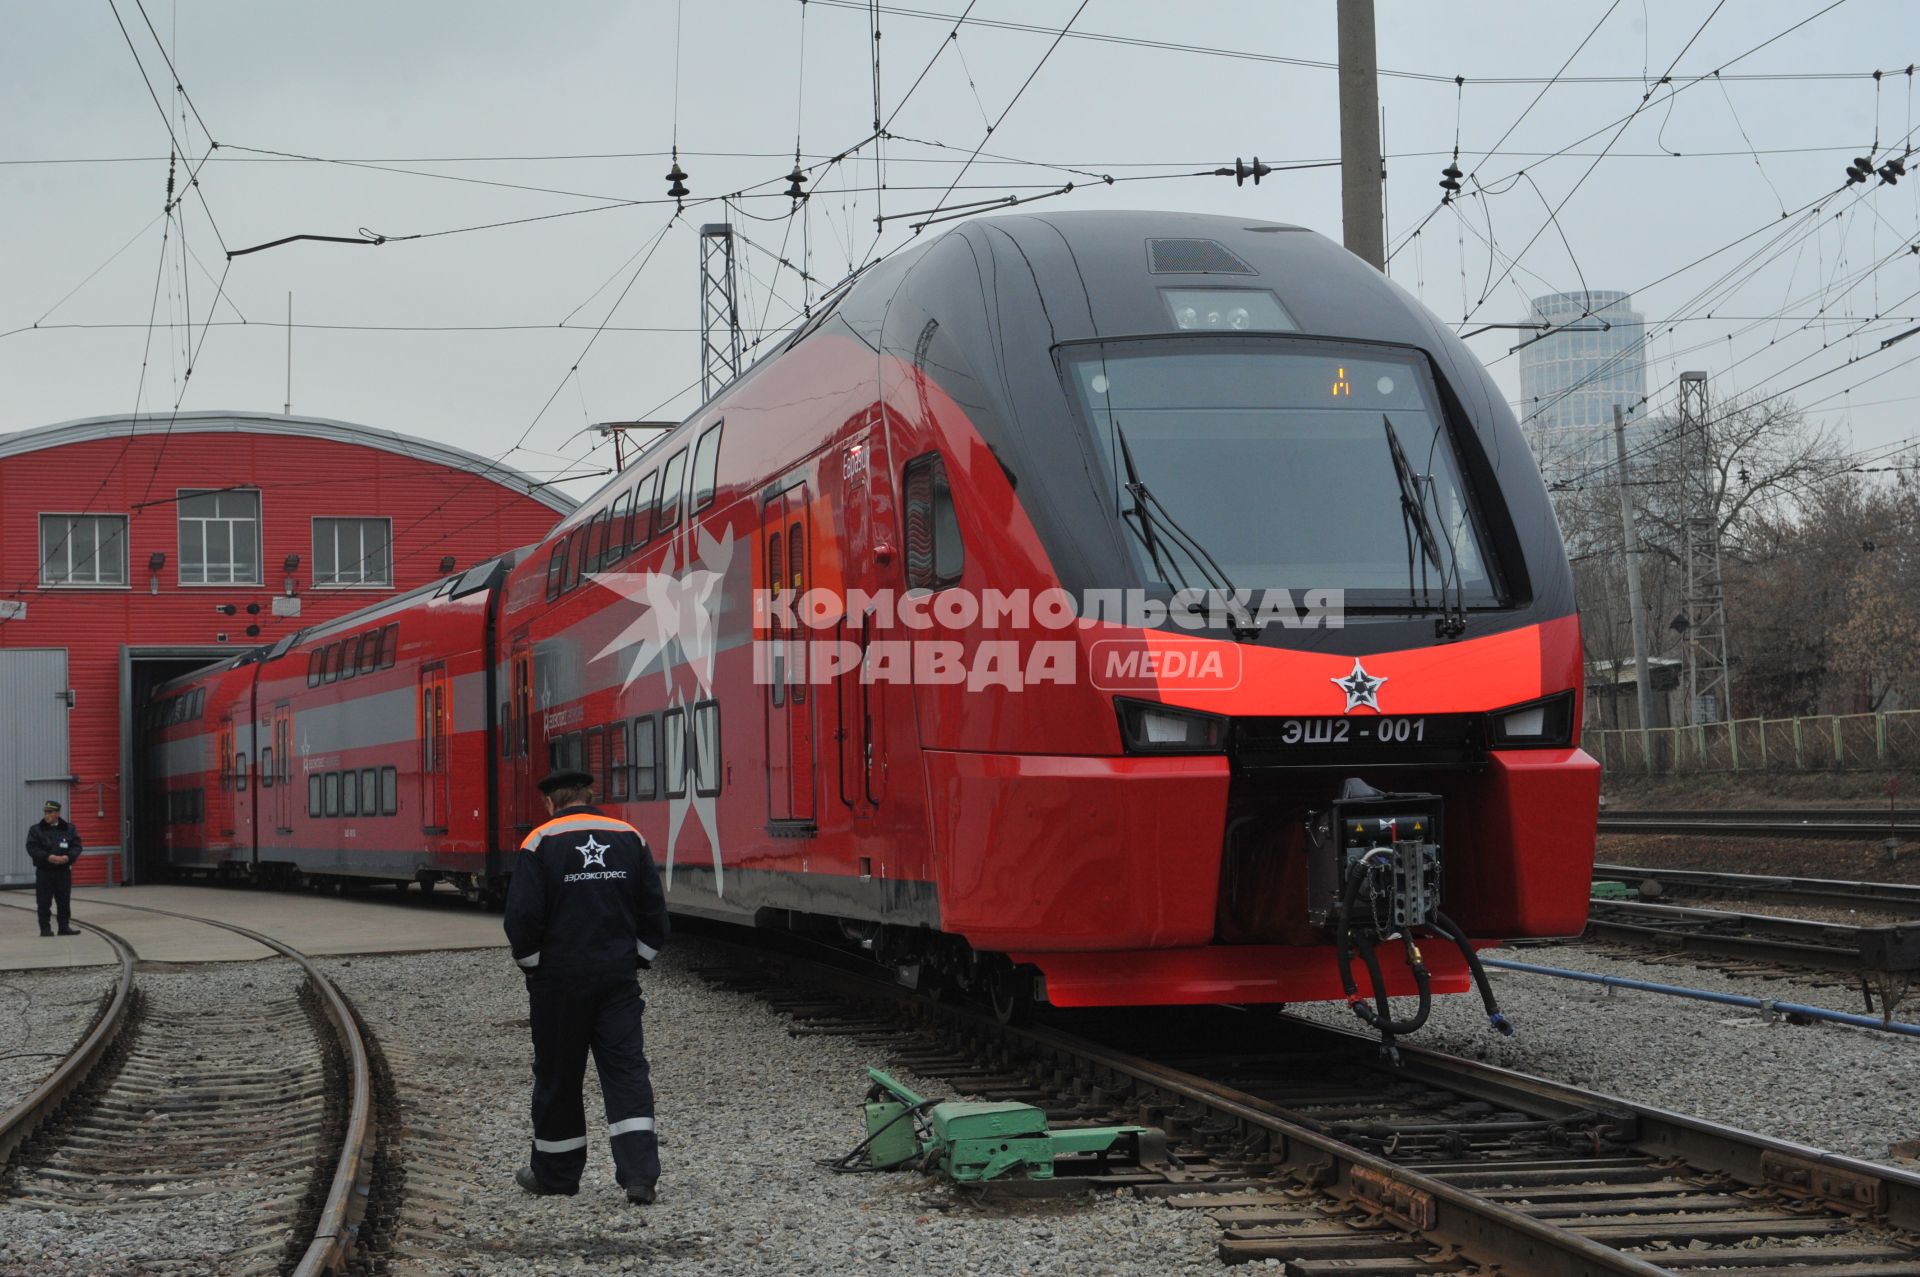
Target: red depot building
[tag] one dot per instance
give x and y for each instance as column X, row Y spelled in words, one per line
column 134, row 550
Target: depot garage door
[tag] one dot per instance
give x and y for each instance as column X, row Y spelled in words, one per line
column 33, row 748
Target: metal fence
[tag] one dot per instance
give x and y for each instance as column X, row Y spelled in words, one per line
column 1825, row 742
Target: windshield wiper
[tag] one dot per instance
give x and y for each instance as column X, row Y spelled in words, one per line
column 1153, row 512
column 1413, row 514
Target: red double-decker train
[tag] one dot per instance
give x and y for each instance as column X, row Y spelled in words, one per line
column 1117, row 608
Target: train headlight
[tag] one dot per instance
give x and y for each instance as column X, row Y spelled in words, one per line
column 1150, row 728
column 1543, row 724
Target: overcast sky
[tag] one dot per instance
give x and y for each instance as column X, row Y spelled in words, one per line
column 517, row 93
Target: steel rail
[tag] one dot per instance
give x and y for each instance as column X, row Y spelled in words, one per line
column 23, row 1119
column 1442, row 1211
column 1784, row 823
column 337, row 1229
column 1829, row 946
column 1822, row 891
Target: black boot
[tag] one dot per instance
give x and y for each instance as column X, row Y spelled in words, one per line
column 526, row 1179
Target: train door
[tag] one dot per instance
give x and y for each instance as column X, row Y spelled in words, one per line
column 436, row 726
column 280, row 767
column 519, row 730
column 787, row 541
column 858, row 711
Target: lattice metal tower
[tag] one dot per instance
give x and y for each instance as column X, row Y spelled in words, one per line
column 1708, row 699
column 719, row 313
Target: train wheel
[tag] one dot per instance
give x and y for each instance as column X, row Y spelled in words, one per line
column 1010, row 992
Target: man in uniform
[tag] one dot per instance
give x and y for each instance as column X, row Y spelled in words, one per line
column 584, row 910
column 54, row 845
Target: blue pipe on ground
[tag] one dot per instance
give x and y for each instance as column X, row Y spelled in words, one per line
column 1707, row 995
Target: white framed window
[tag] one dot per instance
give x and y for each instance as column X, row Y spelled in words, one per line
column 83, row 549
column 353, row 552
column 220, row 537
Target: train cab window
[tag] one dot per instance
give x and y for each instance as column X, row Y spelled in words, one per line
column 616, row 784
column 646, row 769
column 332, row 791
column 313, row 795
column 389, row 645
column 706, row 468
column 640, row 515
column 673, row 736
column 935, row 557
column 350, row 793
column 556, row 569
column 389, row 790
column 313, row 669
column 672, row 476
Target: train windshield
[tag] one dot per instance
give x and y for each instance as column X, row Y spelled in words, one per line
column 1256, row 465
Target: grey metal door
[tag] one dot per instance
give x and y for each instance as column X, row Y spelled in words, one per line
column 33, row 748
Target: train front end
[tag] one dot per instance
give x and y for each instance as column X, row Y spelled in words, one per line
column 1299, row 687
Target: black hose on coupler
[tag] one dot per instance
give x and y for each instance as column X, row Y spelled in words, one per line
column 1380, row 1015
column 1453, row 932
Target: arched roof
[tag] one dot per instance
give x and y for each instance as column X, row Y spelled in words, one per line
column 87, row 429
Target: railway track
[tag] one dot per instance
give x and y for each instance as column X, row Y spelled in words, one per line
column 1793, row 942
column 1312, row 1152
column 1891, row 897
column 165, row 1108
column 1769, row 823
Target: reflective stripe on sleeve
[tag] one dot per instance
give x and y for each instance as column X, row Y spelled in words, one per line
column 647, row 951
column 560, row 1146
column 628, row 1125
column 531, row 961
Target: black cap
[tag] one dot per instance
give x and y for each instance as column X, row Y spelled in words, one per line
column 50, row 805
column 565, row 778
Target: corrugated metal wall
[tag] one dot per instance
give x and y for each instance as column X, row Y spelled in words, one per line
column 33, row 749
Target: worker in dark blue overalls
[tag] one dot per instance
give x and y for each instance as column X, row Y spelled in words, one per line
column 584, row 912
column 53, row 844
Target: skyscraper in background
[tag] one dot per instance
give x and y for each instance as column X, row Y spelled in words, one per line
column 1574, row 378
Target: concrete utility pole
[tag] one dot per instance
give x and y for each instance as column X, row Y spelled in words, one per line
column 1361, row 167
column 1642, row 676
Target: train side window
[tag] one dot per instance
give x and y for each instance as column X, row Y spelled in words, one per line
column 619, row 515
column 640, row 516
column 935, row 557
column 506, row 729
column 617, row 777
column 389, row 645
column 672, row 476
column 266, row 767
column 332, row 789
column 350, row 793
column 313, row 668
column 706, row 467
column 370, row 651
column 369, row 791
column 594, row 761
column 797, row 588
column 199, row 702
column 556, row 568
column 596, row 542
column 673, row 738
column 706, row 748
column 646, row 769
column 389, row 790
column 240, row 773
column 583, row 546
column 348, row 665
column 777, row 646
column 313, row 794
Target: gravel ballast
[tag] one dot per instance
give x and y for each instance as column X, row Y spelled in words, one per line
column 43, row 1015
column 746, row 1112
column 1842, row 1089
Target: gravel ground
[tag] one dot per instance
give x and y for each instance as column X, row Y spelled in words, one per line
column 169, row 1199
column 1846, row 1090
column 745, row 1113
column 43, row 1014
